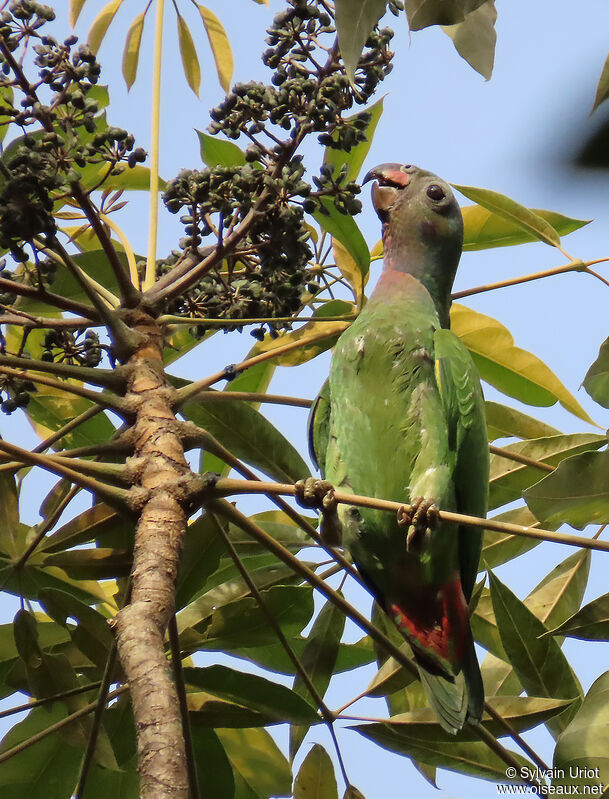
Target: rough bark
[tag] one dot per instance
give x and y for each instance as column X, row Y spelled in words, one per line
column 160, row 469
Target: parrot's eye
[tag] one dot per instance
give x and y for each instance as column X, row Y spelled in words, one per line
column 435, row 192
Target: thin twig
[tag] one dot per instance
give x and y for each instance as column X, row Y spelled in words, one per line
column 82, row 689
column 227, row 487
column 515, row 456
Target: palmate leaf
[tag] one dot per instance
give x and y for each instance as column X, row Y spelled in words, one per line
column 350, row 270
column 423, row 13
column 9, row 515
column 484, row 229
column 505, row 422
column 582, row 751
column 577, row 493
column 315, row 779
column 475, row 38
column 218, row 781
column 354, row 24
column 247, row 434
column 101, row 24
column 441, row 749
column 49, row 767
column 316, row 336
column 220, row 46
column 509, row 369
column 590, row 623
column 513, row 211
column 188, row 52
column 542, row 668
column 318, row 661
column 259, row 767
column 253, row 692
column 219, row 152
column 498, row 548
column 357, row 155
column 344, row 228
column 131, row 52
column 602, row 89
column 508, row 478
column 596, row 381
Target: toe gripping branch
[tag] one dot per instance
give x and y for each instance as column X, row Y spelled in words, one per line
column 419, row 520
column 319, row 494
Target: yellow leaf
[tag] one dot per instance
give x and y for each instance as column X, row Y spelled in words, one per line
column 349, row 269
column 220, row 46
column 377, row 250
column 131, row 53
column 514, row 371
column 190, row 62
column 314, row 337
column 101, row 23
column 75, row 9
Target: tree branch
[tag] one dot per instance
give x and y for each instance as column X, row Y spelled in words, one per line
column 113, row 379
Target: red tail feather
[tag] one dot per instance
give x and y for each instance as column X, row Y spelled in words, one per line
column 440, row 628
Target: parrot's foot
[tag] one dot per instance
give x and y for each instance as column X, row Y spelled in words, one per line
column 319, row 494
column 419, row 520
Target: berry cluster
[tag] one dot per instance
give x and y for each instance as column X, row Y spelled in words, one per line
column 266, row 274
column 72, row 347
column 59, row 115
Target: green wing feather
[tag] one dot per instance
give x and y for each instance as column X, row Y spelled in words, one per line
column 319, row 427
column 461, row 395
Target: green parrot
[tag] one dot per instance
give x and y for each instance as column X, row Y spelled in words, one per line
column 401, row 417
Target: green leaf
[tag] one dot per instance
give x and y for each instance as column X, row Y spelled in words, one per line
column 99, row 523
column 200, row 558
column 315, row 779
column 349, row 270
column 258, row 762
column 498, row 548
column 243, row 623
column 220, row 46
column 509, row 369
column 602, row 89
column 538, row 661
column 560, row 593
column 584, row 745
column 131, row 53
column 279, row 525
column 591, row 623
column 217, row 782
column 423, row 13
column 210, row 712
column 484, row 230
column 255, row 379
column 343, row 227
column 596, row 381
column 93, row 564
column 9, row 515
column 254, row 692
column 505, row 422
column 248, row 435
column 356, row 155
column 188, row 52
column 354, row 24
column 101, row 23
column 499, row 677
column 316, row 336
column 508, row 479
column 353, row 793
column 318, row 661
column 46, row 769
column 6, row 100
column 441, row 749
column 475, row 38
column 92, row 635
column 509, row 209
column 577, row 493
column 219, row 152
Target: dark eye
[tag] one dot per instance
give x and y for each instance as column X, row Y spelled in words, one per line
column 435, row 192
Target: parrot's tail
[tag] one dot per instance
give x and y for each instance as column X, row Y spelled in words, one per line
column 443, row 647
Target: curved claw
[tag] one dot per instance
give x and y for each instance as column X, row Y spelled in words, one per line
column 319, row 494
column 419, row 520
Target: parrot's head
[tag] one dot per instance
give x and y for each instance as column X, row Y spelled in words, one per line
column 422, row 227
column 415, row 205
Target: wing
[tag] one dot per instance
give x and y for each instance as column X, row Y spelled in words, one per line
column 461, row 395
column 319, row 428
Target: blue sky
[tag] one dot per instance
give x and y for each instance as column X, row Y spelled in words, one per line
column 510, row 134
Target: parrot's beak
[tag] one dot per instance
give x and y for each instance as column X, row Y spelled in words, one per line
column 390, row 179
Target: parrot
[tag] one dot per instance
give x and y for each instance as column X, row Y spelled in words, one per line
column 402, row 417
